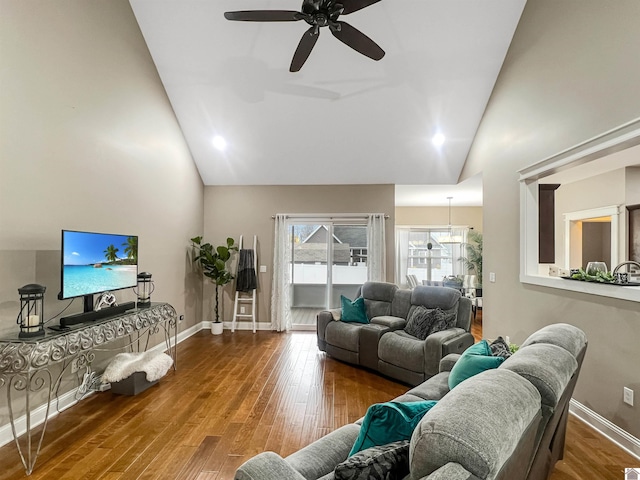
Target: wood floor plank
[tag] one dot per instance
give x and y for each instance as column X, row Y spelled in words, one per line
column 199, row 458
column 234, row 396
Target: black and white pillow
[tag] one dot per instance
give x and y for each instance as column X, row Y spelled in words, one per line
column 419, row 322
column 422, row 321
column 499, row 348
column 442, row 320
column 385, row 462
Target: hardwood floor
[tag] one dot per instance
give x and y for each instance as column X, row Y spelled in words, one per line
column 233, row 396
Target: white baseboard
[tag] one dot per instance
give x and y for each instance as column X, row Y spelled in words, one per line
column 68, row 399
column 59, row 404
column 623, row 439
column 241, row 325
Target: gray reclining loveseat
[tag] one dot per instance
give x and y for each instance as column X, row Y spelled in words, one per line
column 502, row 424
column 383, row 345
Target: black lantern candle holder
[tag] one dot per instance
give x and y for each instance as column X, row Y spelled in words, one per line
column 31, row 316
column 145, row 288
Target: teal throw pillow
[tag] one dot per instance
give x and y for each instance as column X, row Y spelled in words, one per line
column 353, row 311
column 390, row 422
column 475, row 359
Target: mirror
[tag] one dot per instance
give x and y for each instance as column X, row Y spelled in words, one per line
column 595, row 195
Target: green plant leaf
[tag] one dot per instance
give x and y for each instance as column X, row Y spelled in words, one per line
column 223, row 253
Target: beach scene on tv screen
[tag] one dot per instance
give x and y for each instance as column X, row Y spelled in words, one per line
column 97, row 262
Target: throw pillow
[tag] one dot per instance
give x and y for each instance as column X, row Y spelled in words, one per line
column 385, row 462
column 353, row 311
column 389, row 422
column 419, row 322
column 423, row 321
column 442, row 320
column 475, row 359
column 500, row 348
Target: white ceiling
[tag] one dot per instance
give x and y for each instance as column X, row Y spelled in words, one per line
column 464, row 194
column 344, row 118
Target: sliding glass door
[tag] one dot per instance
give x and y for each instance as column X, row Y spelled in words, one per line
column 328, row 259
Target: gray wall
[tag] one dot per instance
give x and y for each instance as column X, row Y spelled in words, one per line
column 89, row 141
column 570, row 74
column 598, row 191
column 596, row 243
column 235, row 211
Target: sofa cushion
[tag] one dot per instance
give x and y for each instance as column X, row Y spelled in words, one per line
column 384, row 462
column 548, row 367
column 435, row 297
column 434, row 388
column 401, row 303
column 505, row 413
column 402, row 350
column 407, row 397
column 353, row 311
column 389, row 422
column 571, row 338
column 378, row 297
column 475, row 359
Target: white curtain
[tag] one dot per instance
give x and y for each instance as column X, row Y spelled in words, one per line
column 402, row 255
column 376, row 255
column 281, row 281
column 459, row 250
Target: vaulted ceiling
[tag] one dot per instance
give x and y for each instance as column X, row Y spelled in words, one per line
column 343, row 118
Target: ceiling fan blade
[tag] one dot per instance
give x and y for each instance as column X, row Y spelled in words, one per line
column 264, row 16
column 357, row 40
column 307, row 42
column 351, row 6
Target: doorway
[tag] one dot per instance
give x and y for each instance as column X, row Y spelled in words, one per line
column 328, row 259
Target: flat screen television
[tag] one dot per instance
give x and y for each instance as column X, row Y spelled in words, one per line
column 94, row 263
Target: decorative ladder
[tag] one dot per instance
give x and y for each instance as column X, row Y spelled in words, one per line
column 244, row 300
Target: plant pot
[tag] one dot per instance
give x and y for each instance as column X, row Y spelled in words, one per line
column 216, row 328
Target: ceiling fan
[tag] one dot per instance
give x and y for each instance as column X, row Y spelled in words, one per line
column 318, row 13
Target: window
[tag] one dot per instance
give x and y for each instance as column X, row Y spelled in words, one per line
column 588, row 175
column 429, row 253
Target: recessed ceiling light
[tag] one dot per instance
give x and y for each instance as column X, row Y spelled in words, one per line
column 438, row 139
column 219, row 142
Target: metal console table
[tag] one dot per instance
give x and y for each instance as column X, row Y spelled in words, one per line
column 25, row 363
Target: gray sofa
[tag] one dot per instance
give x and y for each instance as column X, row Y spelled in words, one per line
column 505, row 423
column 383, row 345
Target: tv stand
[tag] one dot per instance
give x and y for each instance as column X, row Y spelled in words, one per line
column 94, row 315
column 33, row 368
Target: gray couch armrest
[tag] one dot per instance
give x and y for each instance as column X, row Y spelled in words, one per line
column 448, row 361
column 451, row 471
column 267, row 466
column 439, row 344
column 321, row 457
column 324, row 318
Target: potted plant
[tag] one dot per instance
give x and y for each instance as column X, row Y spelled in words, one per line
column 452, row 282
column 473, row 259
column 213, row 263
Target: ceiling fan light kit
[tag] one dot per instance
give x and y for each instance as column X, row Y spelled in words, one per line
column 318, row 14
